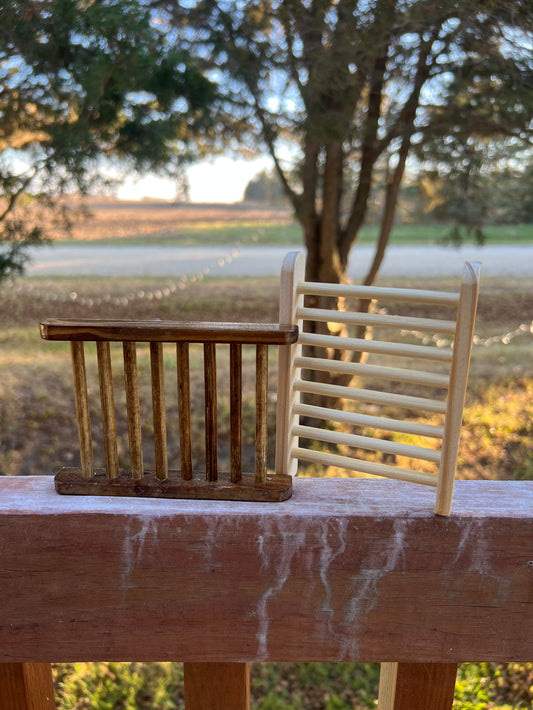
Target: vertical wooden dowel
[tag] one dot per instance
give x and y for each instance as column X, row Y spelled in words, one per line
column 210, row 379
column 236, row 411
column 184, row 409
column 158, row 406
column 133, row 409
column 82, row 409
column 105, row 378
column 261, row 414
column 26, row 686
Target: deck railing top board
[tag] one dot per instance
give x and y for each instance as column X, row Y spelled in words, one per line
column 340, row 572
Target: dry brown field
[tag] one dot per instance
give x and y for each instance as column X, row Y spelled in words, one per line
column 106, row 217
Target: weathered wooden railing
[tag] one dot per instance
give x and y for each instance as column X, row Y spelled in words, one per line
column 343, row 571
column 164, row 481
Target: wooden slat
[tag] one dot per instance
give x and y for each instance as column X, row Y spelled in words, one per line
column 371, row 396
column 420, row 686
column 458, row 378
column 133, row 410
column 167, row 331
column 384, row 423
column 426, row 352
column 217, row 686
column 184, row 410
column 26, row 686
column 407, row 295
column 236, row 411
column 336, row 573
column 82, row 409
column 159, row 414
column 276, row 488
column 261, row 413
column 359, row 466
column 105, row 377
column 398, row 374
column 211, row 438
column 367, row 442
column 388, row 673
column 292, row 272
column 432, row 325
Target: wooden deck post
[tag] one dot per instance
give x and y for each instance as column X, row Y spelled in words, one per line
column 217, row 686
column 26, row 686
column 420, row 686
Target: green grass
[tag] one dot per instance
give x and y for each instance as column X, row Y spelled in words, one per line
column 291, row 234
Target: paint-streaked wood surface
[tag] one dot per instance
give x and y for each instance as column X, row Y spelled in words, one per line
column 346, row 569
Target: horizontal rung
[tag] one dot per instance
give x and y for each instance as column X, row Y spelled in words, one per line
column 168, row 331
column 372, row 396
column 384, row 423
column 433, row 325
column 398, row 374
column 408, row 295
column 360, row 466
column 426, row 352
column 367, row 442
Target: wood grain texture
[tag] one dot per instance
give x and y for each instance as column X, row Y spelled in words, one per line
column 79, row 374
column 346, row 570
column 133, row 409
column 184, row 409
column 424, row 686
column 211, row 428
column 105, row 378
column 466, row 318
column 261, row 412
column 26, row 686
column 275, row 488
column 159, row 413
column 408, row 295
column 167, row 331
column 235, row 387
column 217, row 686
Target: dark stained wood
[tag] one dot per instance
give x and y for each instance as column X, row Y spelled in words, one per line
column 133, row 409
column 261, row 412
column 167, row 331
column 184, row 409
column 345, row 570
column 159, row 413
column 211, row 432
column 424, row 686
column 26, row 686
column 105, row 377
column 276, row 488
column 79, row 374
column 217, row 686
column 235, row 388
